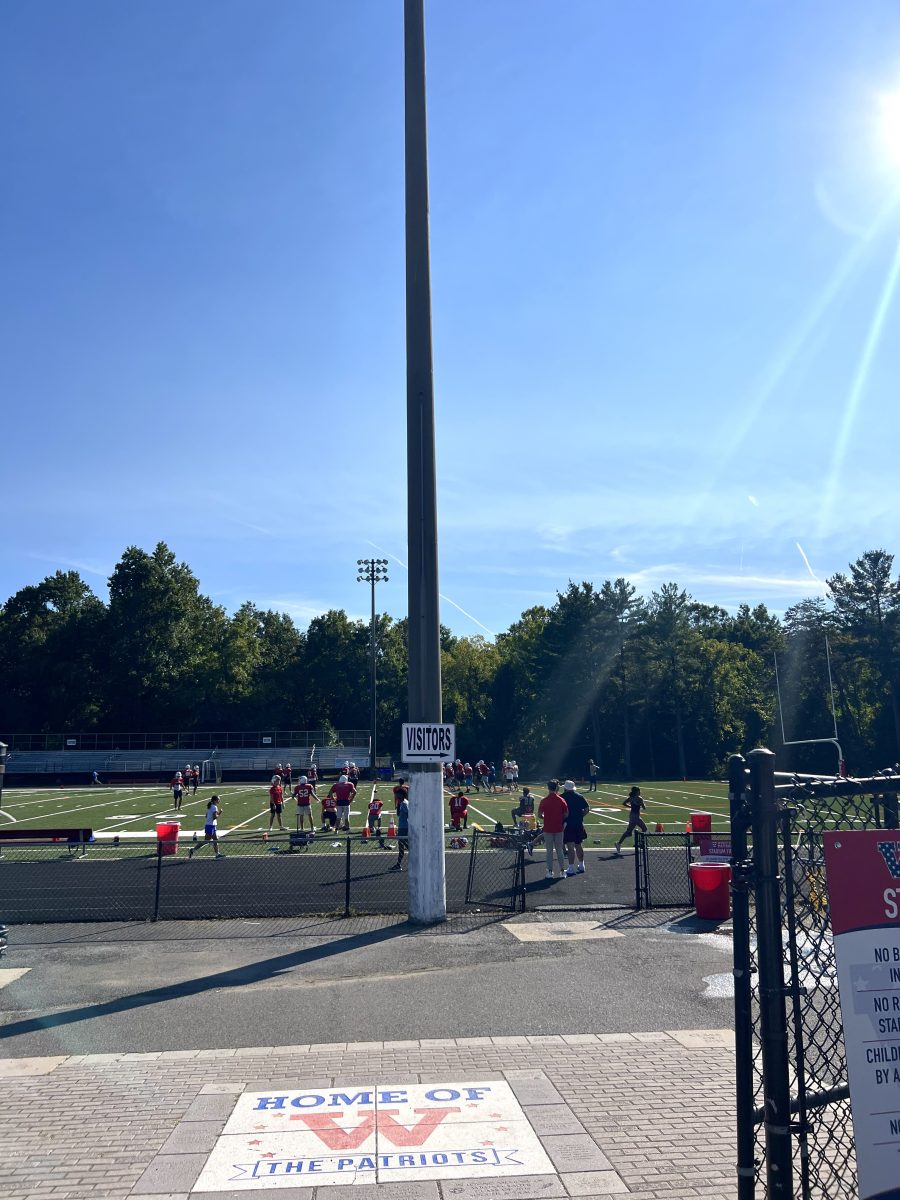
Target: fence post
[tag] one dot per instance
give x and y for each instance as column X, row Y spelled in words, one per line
column 639, row 849
column 347, row 881
column 770, row 956
column 158, row 879
column 743, row 1017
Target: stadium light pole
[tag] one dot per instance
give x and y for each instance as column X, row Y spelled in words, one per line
column 427, row 890
column 372, row 571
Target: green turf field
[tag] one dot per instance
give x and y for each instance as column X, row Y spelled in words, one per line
column 132, row 813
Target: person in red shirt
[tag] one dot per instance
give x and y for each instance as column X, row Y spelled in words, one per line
column 374, row 818
column 459, row 810
column 553, row 811
column 286, row 776
column 177, row 786
column 343, row 792
column 304, row 794
column 401, row 793
column 329, row 811
column 276, row 802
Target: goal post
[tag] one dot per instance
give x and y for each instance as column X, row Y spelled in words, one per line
column 210, row 771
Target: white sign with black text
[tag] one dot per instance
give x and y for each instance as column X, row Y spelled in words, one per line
column 428, row 742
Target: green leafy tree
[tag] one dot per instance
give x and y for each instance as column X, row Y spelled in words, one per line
column 50, row 639
column 163, row 643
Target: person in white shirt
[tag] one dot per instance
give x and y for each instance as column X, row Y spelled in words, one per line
column 210, row 830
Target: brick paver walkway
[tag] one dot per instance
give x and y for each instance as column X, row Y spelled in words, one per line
column 647, row 1115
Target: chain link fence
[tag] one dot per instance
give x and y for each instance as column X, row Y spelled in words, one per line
column 281, row 876
column 497, row 870
column 662, row 875
column 795, row 1135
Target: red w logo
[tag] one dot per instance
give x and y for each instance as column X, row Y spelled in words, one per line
column 326, row 1128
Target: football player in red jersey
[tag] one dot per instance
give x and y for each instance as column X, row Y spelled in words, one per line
column 276, row 803
column 459, row 810
column 373, row 818
column 304, row 794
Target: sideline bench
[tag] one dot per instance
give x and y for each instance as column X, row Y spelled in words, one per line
column 11, row 836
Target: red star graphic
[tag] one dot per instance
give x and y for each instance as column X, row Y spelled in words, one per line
column 487, row 1143
column 255, row 1142
column 472, row 1104
column 503, row 1129
column 497, row 1115
column 259, row 1126
column 268, row 1154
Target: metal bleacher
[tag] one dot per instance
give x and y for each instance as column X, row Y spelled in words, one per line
column 137, row 762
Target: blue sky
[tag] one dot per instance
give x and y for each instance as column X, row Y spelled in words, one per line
column 664, row 243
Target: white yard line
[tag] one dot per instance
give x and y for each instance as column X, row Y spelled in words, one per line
column 255, row 817
column 170, row 814
column 81, row 808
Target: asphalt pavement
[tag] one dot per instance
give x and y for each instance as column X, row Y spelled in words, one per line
column 186, row 985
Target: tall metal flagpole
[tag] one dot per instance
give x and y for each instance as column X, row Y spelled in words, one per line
column 427, row 891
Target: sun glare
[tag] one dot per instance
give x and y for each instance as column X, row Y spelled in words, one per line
column 889, row 105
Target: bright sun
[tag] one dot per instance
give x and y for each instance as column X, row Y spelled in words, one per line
column 889, row 104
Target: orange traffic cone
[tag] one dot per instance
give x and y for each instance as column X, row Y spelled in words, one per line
column 392, row 829
column 365, row 832
column 687, row 827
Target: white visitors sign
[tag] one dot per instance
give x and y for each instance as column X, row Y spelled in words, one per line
column 863, row 871
column 377, row 1133
column 428, row 742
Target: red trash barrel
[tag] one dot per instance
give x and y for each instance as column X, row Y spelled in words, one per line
column 712, row 894
column 167, row 836
column 701, row 823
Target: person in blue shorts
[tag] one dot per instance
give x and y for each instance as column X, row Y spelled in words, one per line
column 210, row 831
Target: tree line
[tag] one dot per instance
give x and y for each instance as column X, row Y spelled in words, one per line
column 650, row 687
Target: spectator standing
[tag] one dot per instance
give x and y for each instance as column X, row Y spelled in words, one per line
column 635, row 804
column 286, row 777
column 402, row 833
column 593, row 775
column 304, row 794
column 574, row 832
column 553, row 811
column 210, row 828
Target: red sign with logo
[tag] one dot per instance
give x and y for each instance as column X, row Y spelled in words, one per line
column 863, row 871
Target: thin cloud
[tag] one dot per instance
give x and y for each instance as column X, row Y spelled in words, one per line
column 84, row 568
column 753, row 500
column 808, row 567
column 459, row 607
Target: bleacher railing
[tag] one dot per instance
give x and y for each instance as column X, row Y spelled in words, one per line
column 265, row 739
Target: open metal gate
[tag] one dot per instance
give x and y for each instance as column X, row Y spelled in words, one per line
column 794, row 1131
